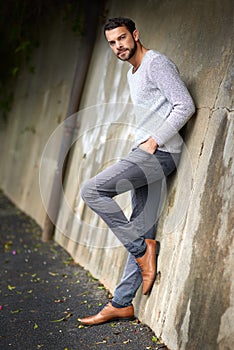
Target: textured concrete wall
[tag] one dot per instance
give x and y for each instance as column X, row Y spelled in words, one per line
column 40, row 104
column 192, row 303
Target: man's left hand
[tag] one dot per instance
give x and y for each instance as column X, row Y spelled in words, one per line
column 149, row 146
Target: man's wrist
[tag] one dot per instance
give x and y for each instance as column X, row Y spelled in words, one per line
column 153, row 143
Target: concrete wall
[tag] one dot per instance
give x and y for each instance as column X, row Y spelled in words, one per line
column 40, row 104
column 192, row 302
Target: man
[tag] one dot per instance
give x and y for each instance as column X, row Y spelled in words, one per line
column 162, row 106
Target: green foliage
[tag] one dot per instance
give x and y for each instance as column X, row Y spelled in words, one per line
column 20, row 26
column 76, row 18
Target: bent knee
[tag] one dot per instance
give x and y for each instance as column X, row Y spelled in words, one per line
column 87, row 190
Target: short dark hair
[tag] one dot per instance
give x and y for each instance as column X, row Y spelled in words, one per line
column 116, row 22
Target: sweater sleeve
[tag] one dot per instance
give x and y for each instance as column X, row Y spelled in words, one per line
column 169, row 82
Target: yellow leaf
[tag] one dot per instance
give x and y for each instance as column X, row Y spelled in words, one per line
column 60, row 320
column 53, row 274
column 11, row 287
column 16, row 311
column 101, row 342
column 154, row 339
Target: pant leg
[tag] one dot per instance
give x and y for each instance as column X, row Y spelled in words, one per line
column 132, row 278
column 138, row 169
column 130, row 282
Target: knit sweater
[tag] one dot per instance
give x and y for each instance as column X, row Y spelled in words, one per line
column 162, row 103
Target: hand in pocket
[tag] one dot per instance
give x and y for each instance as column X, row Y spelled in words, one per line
column 149, row 146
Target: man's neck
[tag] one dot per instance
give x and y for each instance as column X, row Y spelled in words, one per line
column 138, row 56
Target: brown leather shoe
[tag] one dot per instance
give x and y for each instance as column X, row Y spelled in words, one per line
column 147, row 264
column 109, row 313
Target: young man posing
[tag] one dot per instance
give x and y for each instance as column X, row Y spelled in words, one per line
column 162, row 106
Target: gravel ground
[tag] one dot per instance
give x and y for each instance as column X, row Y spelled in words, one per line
column 43, row 293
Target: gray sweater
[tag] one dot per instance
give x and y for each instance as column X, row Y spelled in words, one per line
column 161, row 101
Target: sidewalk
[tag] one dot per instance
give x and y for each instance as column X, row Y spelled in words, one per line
column 43, row 293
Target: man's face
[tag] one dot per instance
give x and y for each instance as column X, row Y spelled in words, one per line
column 122, row 42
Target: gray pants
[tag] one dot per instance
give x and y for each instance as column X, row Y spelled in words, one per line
column 144, row 175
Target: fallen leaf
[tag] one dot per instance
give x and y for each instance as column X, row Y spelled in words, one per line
column 63, row 318
column 101, row 287
column 100, row 342
column 16, row 311
column 7, row 246
column 35, row 326
column 59, row 320
column 60, row 300
column 11, row 287
column 36, row 280
column 53, row 274
column 136, row 321
column 69, row 261
column 154, row 339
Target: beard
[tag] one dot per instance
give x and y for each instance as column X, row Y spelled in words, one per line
column 130, row 54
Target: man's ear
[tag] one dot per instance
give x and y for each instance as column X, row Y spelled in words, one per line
column 136, row 35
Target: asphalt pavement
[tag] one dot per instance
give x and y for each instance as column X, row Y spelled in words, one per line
column 43, row 293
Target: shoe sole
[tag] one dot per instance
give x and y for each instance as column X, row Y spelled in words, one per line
column 112, row 320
